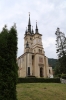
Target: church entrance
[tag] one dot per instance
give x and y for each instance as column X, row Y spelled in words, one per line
column 41, row 72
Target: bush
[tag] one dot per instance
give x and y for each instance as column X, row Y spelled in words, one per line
column 63, row 76
column 57, row 76
column 38, row 80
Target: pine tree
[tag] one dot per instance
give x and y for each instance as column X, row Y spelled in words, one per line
column 8, row 66
column 61, row 50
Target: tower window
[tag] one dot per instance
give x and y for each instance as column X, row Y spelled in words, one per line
column 30, row 38
column 40, row 51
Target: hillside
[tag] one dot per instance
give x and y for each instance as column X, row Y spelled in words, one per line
column 52, row 62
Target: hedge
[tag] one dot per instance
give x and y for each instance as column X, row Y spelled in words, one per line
column 38, row 80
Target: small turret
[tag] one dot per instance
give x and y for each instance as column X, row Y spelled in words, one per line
column 32, row 30
column 36, row 30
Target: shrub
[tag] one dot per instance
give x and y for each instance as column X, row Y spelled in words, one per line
column 57, row 76
column 38, row 80
column 63, row 76
column 30, row 77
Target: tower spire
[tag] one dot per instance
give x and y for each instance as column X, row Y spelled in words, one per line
column 29, row 24
column 32, row 30
column 36, row 30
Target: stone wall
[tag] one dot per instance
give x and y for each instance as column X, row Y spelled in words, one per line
column 63, row 80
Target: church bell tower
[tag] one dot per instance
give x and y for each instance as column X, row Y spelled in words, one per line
column 33, row 62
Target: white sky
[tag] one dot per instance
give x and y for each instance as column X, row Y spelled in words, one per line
column 49, row 14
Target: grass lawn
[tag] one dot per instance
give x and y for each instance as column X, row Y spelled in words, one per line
column 41, row 91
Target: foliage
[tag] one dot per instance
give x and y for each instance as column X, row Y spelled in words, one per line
column 57, row 68
column 60, row 76
column 38, row 80
column 8, row 66
column 63, row 76
column 57, row 76
column 61, row 43
column 61, row 50
column 52, row 62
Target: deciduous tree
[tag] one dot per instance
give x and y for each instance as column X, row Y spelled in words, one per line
column 61, row 51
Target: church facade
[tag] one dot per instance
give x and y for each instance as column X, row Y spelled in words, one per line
column 33, row 62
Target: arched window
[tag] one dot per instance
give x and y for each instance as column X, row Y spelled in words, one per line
column 39, row 50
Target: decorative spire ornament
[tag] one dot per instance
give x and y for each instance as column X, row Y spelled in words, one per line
column 32, row 30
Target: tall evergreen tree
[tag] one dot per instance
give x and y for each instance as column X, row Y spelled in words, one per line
column 61, row 50
column 8, row 66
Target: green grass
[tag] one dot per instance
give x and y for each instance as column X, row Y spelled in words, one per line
column 41, row 91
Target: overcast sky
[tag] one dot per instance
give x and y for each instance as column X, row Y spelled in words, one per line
column 49, row 14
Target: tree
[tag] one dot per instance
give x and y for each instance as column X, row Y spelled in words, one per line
column 8, row 65
column 61, row 50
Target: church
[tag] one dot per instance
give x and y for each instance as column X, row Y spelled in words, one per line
column 33, row 61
